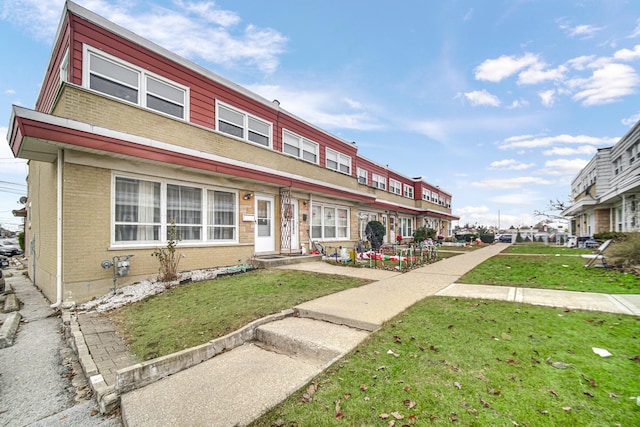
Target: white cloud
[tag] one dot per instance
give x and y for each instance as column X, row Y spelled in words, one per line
column 198, row 30
column 482, row 97
column 10, row 92
column 538, row 74
column 581, row 62
column 607, row 84
column 319, row 107
column 547, row 97
column 631, row 120
column 571, row 151
column 563, row 167
column 510, row 164
column 527, row 141
column 495, row 70
column 582, row 31
column 518, row 103
column 511, row 183
column 628, row 54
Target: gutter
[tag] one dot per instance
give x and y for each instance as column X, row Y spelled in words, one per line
column 58, row 231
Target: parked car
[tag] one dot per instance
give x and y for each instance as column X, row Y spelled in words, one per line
column 506, row 238
column 582, row 242
column 4, row 262
column 1, row 282
column 9, row 248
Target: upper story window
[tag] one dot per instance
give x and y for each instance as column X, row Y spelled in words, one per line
column 117, row 78
column 425, row 194
column 408, row 191
column 617, row 165
column 242, row 125
column 632, row 153
column 378, row 181
column 395, row 186
column 300, row 147
column 362, row 175
column 434, row 197
column 338, row 162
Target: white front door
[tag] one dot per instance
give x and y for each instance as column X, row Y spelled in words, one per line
column 264, row 235
column 290, row 224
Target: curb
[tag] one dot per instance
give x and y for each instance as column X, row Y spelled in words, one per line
column 9, row 329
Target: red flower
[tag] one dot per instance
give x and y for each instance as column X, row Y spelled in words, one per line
column 399, row 238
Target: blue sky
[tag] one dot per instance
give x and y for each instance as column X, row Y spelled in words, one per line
column 499, row 102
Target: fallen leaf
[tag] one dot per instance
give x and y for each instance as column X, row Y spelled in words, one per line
column 484, row 403
column 586, row 393
column 453, row 417
column 412, row 418
column 635, row 359
column 458, row 385
column 397, row 339
column 364, row 387
column 566, row 409
column 94, row 413
column 384, row 416
column 494, row 392
column 534, row 360
column 347, row 396
column 544, row 412
column 472, row 411
column 367, row 398
column 410, row 403
column 613, row 395
column 339, row 413
column 553, row 392
column 380, row 368
column 391, row 423
column 407, row 389
column 506, row 337
column 482, row 377
column 397, row 415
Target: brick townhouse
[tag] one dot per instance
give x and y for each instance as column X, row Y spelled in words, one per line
column 127, row 138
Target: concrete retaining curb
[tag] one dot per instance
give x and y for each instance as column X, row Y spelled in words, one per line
column 9, row 329
column 145, row 373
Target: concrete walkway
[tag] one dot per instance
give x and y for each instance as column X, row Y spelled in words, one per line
column 236, row 387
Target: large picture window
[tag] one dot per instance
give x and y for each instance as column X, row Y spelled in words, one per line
column 300, row 147
column 405, row 226
column 329, row 222
column 119, row 79
column 237, row 123
column 144, row 210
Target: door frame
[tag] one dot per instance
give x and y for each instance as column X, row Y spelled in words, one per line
column 266, row 244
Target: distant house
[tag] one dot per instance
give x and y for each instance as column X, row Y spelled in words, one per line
column 606, row 192
column 127, row 138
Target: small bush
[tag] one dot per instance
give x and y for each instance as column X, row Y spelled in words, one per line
column 625, row 251
column 375, row 232
column 169, row 258
column 487, row 238
column 608, row 235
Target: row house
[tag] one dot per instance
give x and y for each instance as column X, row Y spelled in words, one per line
column 128, row 140
column 606, row 192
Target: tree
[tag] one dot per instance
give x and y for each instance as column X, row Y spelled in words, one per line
column 554, row 209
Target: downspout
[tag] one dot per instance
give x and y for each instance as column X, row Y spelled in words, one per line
column 58, row 230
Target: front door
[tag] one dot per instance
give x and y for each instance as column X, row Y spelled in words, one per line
column 290, row 225
column 264, row 235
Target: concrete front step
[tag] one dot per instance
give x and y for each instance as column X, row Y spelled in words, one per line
column 312, row 339
column 231, row 389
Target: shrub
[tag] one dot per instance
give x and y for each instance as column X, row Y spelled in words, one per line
column 608, row 235
column 519, row 238
column 487, row 238
column 375, row 233
column 169, row 258
column 21, row 240
column 625, row 251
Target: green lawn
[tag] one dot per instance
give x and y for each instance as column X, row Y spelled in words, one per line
column 449, row 361
column 520, row 248
column 193, row 314
column 551, row 272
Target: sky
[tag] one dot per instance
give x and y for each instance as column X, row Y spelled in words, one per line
column 499, row 102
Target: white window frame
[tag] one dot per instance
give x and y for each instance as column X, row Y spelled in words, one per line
column 425, row 194
column 378, row 181
column 408, row 191
column 341, row 161
column 302, row 144
column 617, row 165
column 327, row 226
column 141, row 85
column 405, row 226
column 165, row 222
column 395, row 186
column 64, row 67
column 362, row 176
column 245, row 126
